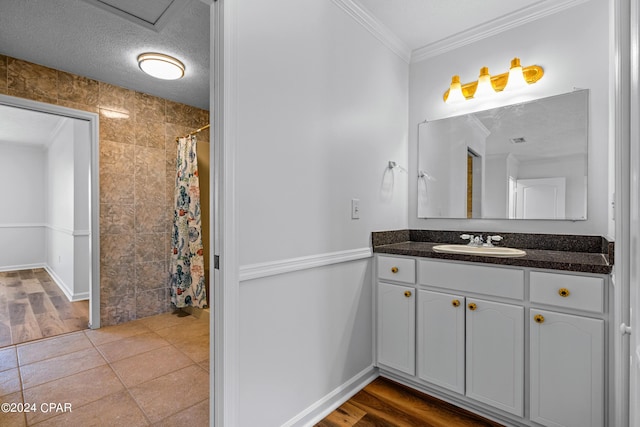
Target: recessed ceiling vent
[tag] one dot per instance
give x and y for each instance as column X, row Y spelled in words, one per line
column 152, row 14
column 518, row 140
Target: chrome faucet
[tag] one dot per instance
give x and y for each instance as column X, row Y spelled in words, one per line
column 473, row 240
column 491, row 239
column 478, row 241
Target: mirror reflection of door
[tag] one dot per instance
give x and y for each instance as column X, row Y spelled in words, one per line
column 469, row 185
column 542, row 198
column 474, row 184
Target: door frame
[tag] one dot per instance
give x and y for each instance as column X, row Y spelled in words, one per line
column 633, row 409
column 621, row 125
column 224, row 406
column 94, row 189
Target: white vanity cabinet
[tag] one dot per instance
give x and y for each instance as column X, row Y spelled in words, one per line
column 396, row 315
column 527, row 346
column 472, row 345
column 567, row 351
column 495, row 354
column 441, row 339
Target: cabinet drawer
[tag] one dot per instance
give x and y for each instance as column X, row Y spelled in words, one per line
column 565, row 290
column 397, row 269
column 497, row 281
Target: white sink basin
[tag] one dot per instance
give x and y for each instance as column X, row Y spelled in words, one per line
column 495, row 251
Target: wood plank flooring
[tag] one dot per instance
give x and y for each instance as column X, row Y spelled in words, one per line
column 33, row 307
column 385, row 403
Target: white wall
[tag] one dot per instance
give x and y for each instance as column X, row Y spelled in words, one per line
column 22, row 206
column 81, row 210
column 573, row 56
column 60, row 206
column 322, row 108
column 68, row 170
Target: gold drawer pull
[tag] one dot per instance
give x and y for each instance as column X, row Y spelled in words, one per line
column 563, row 292
column 407, row 294
column 455, row 303
column 472, row 306
column 394, row 270
column 538, row 318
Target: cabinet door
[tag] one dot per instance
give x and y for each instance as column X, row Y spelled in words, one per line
column 441, row 339
column 567, row 370
column 495, row 354
column 396, row 327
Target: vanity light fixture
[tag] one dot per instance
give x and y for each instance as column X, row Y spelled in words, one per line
column 517, row 77
column 161, row 66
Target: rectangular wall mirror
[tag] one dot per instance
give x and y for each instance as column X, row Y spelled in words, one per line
column 521, row 161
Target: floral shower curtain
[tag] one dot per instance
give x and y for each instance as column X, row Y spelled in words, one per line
column 187, row 260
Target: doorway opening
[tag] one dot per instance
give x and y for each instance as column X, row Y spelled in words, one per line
column 49, row 264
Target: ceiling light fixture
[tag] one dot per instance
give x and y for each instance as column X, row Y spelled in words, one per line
column 516, row 78
column 161, row 66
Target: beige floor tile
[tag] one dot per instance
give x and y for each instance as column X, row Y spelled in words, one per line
column 116, row 410
column 132, row 346
column 157, row 397
column 8, row 358
column 52, row 347
column 197, row 415
column 57, row 367
column 9, row 381
column 197, row 349
column 12, row 419
column 166, row 320
column 152, row 364
column 205, row 364
column 180, row 333
column 76, row 390
column 113, row 333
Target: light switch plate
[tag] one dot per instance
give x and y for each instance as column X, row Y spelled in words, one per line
column 355, row 208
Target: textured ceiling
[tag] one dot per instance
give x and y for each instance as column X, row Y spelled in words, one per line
column 78, row 37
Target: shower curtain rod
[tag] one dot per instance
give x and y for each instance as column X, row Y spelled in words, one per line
column 194, row 132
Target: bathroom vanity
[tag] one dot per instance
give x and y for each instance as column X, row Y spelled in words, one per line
column 522, row 340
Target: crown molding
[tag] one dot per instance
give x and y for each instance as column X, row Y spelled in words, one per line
column 496, row 26
column 375, row 27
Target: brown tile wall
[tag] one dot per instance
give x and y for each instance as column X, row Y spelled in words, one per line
column 137, row 164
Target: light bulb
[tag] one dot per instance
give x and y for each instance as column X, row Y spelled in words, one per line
column 484, row 87
column 516, row 79
column 455, row 91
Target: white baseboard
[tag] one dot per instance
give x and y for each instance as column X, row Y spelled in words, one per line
column 323, row 407
column 64, row 288
column 59, row 282
column 20, row 267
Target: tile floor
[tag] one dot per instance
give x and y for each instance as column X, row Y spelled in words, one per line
column 152, row 371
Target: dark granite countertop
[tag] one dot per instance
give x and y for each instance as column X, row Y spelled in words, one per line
column 571, row 253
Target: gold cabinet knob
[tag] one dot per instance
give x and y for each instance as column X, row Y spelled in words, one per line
column 394, row 270
column 538, row 318
column 455, row 303
column 472, row 306
column 563, row 292
column 407, row 294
